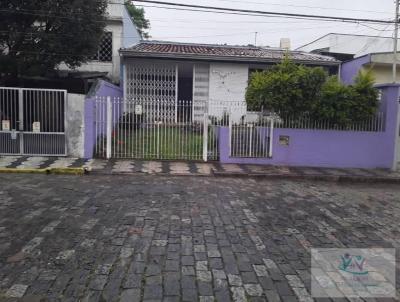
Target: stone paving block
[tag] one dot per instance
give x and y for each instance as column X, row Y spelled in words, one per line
column 129, row 295
column 17, row 291
column 98, row 282
column 204, row 276
column 235, row 280
column 254, row 290
column 238, row 294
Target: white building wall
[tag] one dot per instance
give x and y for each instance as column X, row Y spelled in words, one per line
column 75, row 125
column 350, row 44
column 228, row 83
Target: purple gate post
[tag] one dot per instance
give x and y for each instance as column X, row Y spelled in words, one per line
column 102, row 89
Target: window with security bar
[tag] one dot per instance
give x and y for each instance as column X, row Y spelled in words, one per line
column 104, row 53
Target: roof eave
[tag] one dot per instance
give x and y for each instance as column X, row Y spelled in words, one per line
column 131, row 54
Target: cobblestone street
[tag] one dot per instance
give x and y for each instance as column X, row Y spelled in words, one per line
column 165, row 238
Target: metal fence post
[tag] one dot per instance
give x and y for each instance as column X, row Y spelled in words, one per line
column 230, row 131
column 109, row 127
column 271, row 137
column 205, row 137
column 21, row 126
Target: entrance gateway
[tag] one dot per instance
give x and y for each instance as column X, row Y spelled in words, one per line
column 32, row 121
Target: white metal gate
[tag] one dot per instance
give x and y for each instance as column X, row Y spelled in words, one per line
column 32, row 121
column 251, row 137
column 146, row 129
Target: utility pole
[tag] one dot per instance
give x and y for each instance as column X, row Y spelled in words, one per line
column 395, row 38
column 255, row 38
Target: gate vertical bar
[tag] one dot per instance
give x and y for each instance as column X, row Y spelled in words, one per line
column 109, row 127
column 65, row 121
column 176, row 93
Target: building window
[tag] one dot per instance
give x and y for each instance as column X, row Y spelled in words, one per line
column 105, row 51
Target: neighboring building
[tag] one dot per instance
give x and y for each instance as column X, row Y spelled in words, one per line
column 119, row 32
column 172, row 72
column 380, row 63
column 348, row 46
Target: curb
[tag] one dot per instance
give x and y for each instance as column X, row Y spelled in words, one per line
column 329, row 178
column 59, row 171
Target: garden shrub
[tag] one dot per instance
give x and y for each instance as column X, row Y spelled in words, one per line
column 289, row 89
column 286, row 88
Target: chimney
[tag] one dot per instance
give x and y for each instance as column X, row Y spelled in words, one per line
column 285, row 43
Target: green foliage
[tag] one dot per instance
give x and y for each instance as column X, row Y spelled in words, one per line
column 343, row 104
column 287, row 88
column 139, row 19
column 296, row 90
column 37, row 35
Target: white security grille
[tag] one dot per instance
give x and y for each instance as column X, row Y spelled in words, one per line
column 147, row 81
column 105, row 50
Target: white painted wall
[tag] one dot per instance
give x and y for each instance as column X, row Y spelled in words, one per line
column 228, row 83
column 75, row 125
column 115, row 8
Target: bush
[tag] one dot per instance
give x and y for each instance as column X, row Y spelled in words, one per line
column 287, row 88
column 343, row 104
column 295, row 90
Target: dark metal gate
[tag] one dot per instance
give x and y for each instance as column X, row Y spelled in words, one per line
column 32, row 121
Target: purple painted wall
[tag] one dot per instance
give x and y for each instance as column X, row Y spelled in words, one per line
column 326, row 148
column 349, row 70
column 102, row 89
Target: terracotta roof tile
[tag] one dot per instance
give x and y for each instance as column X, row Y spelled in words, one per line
column 224, row 51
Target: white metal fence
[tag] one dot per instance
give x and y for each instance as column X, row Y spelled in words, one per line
column 375, row 123
column 32, row 121
column 186, row 130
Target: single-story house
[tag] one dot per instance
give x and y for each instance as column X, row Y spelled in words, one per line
column 171, row 71
column 380, row 63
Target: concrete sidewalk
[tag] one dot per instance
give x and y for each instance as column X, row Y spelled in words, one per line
column 101, row 166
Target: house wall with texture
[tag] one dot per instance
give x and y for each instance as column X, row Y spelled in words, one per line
column 228, row 83
column 75, row 131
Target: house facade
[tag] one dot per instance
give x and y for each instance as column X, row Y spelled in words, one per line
column 119, row 32
column 380, row 64
column 198, row 73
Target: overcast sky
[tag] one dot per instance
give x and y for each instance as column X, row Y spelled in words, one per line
column 185, row 26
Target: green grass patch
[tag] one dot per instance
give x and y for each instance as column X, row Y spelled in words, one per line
column 180, row 142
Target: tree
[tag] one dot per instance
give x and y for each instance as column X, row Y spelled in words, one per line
column 139, row 19
column 37, row 35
